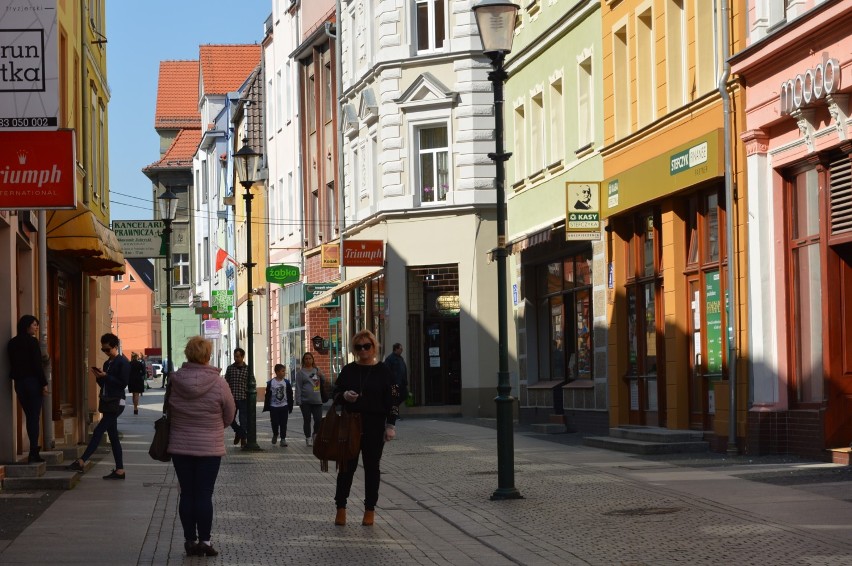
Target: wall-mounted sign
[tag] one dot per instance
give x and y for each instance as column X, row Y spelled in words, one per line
column 37, row 170
column 330, row 255
column 316, row 289
column 688, row 158
column 140, row 238
column 212, row 329
column 583, row 218
column 282, row 274
column 363, row 253
column 810, row 86
column 29, row 71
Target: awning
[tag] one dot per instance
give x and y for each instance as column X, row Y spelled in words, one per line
column 326, row 296
column 527, row 240
column 80, row 233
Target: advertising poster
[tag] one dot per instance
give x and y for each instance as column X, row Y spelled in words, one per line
column 583, row 217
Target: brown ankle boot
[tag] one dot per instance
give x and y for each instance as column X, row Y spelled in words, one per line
column 340, row 518
column 369, row 518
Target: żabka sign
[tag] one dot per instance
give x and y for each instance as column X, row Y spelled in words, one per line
column 37, row 170
column 363, row 253
column 810, row 86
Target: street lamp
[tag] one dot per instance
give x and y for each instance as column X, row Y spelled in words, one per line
column 115, row 313
column 168, row 211
column 496, row 22
column 247, row 163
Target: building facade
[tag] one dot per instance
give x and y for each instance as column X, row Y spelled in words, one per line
column 796, row 134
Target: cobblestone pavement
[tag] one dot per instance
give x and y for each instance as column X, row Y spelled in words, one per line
column 580, row 506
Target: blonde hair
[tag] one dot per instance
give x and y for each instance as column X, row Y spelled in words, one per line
column 364, row 334
column 198, row 350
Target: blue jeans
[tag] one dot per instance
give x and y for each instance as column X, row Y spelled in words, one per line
column 108, row 424
column 29, row 394
column 279, row 416
column 308, row 412
column 240, row 427
column 197, row 478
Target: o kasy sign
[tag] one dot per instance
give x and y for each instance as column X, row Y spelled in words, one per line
column 37, row 170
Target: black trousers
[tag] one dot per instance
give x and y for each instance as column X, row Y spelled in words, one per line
column 29, row 394
column 372, row 445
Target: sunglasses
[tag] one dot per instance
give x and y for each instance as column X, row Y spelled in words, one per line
column 106, row 349
column 364, row 347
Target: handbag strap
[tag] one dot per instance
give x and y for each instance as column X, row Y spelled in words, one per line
column 166, row 398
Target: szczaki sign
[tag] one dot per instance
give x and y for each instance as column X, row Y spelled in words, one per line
column 223, row 304
column 37, row 170
column 583, row 217
column 29, row 71
column 140, row 238
column 363, row 253
column 316, row 289
column 282, row 274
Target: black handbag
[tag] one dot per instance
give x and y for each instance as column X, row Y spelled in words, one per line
column 159, row 449
column 109, row 404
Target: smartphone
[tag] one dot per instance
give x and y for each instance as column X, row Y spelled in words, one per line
column 96, row 369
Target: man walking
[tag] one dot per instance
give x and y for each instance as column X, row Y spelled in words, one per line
column 237, row 377
column 400, row 372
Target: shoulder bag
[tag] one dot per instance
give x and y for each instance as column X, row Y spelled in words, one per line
column 159, row 449
column 338, row 438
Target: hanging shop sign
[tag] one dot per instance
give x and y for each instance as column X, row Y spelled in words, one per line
column 313, row 290
column 140, row 238
column 583, row 217
column 212, row 329
column 223, row 304
column 37, row 170
column 363, row 253
column 330, row 255
column 282, row 274
column 29, row 71
column 810, row 86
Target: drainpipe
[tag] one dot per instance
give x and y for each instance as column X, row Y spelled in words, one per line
column 730, row 231
column 47, row 407
column 341, row 201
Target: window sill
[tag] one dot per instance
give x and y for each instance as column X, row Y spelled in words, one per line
column 546, row 384
column 585, row 150
column 556, row 166
column 518, row 185
column 580, row 384
column 537, row 176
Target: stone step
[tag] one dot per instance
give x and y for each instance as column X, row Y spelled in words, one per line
column 656, row 434
column 548, row 428
column 840, row 456
column 557, row 419
column 49, row 480
column 645, row 447
column 23, row 470
column 71, row 452
column 53, row 457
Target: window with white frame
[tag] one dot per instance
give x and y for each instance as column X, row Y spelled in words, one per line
column 585, row 107
column 431, row 24
column 520, row 149
column 180, row 266
column 279, row 108
column 557, row 120
column 645, row 82
column 270, row 108
column 206, row 255
column 433, row 160
column 291, row 204
column 288, row 92
column 537, row 133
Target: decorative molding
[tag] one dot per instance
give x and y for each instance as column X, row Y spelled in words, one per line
column 350, row 121
column 805, row 121
column 368, row 109
column 838, row 107
column 426, row 92
column 756, row 142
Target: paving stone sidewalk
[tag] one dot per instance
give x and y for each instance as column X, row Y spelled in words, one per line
column 580, row 506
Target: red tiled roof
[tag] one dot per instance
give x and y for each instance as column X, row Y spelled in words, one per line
column 224, row 68
column 177, row 95
column 180, row 153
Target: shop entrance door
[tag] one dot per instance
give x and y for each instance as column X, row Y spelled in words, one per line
column 838, row 416
column 442, row 362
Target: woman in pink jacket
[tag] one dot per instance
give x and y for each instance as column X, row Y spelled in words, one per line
column 200, row 406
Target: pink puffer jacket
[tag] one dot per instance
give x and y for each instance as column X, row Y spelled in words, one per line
column 200, row 407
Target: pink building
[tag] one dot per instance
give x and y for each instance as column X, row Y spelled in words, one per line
column 796, row 72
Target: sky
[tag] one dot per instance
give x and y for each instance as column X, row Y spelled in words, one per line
column 139, row 36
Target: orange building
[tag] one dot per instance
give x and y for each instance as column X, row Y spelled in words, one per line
column 670, row 137
column 133, row 318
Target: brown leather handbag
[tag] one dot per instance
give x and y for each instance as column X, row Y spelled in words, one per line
column 338, row 438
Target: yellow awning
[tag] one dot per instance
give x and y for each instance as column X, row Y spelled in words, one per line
column 326, row 296
column 80, row 233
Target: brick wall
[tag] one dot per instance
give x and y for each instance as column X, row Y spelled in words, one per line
column 786, row 432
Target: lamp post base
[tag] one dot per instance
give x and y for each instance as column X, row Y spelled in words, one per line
column 252, row 447
column 506, row 493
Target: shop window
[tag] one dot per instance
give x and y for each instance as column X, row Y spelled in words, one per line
column 644, row 291
column 805, row 298
column 565, row 318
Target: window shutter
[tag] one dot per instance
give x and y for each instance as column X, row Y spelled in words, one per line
column 841, row 196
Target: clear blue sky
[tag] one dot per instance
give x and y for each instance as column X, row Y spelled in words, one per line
column 140, row 35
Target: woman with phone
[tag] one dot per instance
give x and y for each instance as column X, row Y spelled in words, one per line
column 113, row 380
column 367, row 387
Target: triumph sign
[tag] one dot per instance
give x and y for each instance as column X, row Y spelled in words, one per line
column 37, row 170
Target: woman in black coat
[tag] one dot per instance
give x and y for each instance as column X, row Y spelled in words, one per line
column 27, row 371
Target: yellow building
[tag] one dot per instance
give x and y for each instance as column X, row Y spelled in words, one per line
column 66, row 285
column 671, row 224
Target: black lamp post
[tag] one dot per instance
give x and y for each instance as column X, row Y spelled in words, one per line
column 168, row 211
column 496, row 22
column 247, row 163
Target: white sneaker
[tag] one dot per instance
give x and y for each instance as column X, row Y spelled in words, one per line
column 283, row 442
column 309, row 442
column 275, row 439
